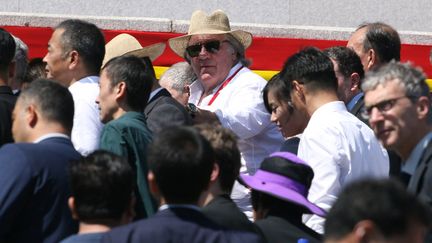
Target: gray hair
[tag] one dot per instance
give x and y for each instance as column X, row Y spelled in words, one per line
column 20, row 59
column 179, row 75
column 239, row 49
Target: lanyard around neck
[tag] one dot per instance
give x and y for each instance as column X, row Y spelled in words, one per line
column 225, row 83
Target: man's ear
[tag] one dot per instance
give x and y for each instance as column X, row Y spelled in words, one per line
column 355, row 82
column 423, row 107
column 120, row 90
column 74, row 59
column 372, row 58
column 32, row 115
column 298, row 89
column 71, row 204
column 154, row 189
column 215, row 172
column 365, row 231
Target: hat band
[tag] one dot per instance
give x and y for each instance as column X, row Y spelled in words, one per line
column 269, row 177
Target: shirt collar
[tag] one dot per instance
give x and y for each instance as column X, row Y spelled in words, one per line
column 354, row 100
column 411, row 163
column 50, row 135
column 154, row 92
column 190, row 206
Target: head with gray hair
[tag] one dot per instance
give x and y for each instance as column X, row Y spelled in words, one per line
column 176, row 79
column 21, row 62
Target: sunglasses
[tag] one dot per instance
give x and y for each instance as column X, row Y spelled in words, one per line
column 210, row 46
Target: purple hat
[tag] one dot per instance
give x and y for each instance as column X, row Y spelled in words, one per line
column 288, row 180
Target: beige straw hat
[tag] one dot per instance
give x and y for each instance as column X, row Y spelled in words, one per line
column 201, row 24
column 125, row 44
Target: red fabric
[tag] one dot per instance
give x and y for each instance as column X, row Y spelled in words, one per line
column 265, row 53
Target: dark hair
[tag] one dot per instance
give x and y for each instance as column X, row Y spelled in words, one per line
column 85, row 38
column 311, row 67
column 35, row 70
column 181, row 160
column 227, row 154
column 132, row 71
column 102, row 184
column 383, row 39
column 54, row 101
column 348, row 61
column 385, row 202
column 281, row 89
column 7, row 49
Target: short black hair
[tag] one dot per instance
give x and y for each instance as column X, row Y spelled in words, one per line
column 35, row 70
column 7, row 49
column 281, row 89
column 385, row 202
column 55, row 102
column 383, row 39
column 348, row 61
column 85, row 38
column 102, row 184
column 132, row 71
column 181, row 160
column 312, row 68
column 227, row 154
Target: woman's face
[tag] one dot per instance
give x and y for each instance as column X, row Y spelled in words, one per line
column 289, row 120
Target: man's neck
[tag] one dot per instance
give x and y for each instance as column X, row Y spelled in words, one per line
column 317, row 99
column 85, row 228
column 213, row 192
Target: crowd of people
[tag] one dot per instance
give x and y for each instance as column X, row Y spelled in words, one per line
column 94, row 148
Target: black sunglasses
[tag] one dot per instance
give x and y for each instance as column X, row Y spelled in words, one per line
column 210, row 46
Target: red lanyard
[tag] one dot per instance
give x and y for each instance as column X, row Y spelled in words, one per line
column 225, row 83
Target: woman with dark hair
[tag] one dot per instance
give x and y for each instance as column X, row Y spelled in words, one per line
column 291, row 122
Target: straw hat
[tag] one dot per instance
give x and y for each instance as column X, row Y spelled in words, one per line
column 287, row 181
column 125, row 44
column 201, row 24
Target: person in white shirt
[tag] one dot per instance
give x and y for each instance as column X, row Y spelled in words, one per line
column 337, row 145
column 75, row 53
column 226, row 91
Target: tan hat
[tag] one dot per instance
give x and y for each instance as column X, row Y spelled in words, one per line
column 125, row 44
column 201, row 24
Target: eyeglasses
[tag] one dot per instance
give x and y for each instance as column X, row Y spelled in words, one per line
column 210, row 46
column 382, row 106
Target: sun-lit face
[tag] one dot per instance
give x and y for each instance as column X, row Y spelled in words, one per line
column 106, row 99
column 394, row 126
column 355, row 43
column 212, row 68
column 289, row 120
column 57, row 61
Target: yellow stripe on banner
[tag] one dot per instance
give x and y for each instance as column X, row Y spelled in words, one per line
column 265, row 74
column 159, row 70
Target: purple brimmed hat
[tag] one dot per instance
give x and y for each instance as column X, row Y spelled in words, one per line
column 287, row 180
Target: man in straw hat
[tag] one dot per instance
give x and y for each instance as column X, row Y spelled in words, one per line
column 226, row 91
column 161, row 110
column 279, row 198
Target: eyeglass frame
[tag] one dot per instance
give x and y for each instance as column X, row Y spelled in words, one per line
column 366, row 112
column 209, row 49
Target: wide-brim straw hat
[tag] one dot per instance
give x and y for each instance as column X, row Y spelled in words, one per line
column 203, row 24
column 125, row 44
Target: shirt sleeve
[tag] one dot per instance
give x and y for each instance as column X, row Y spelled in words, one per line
column 15, row 190
column 87, row 127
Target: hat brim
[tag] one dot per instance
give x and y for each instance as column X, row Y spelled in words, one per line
column 281, row 192
column 179, row 44
column 151, row 51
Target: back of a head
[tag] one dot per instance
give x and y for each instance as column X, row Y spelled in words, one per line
column 21, row 60
column 35, row 70
column 386, row 203
column 383, row 39
column 311, row 67
column 54, row 102
column 7, row 49
column 102, row 185
column 181, row 160
column 348, row 61
column 85, row 38
column 227, row 155
column 178, row 75
column 134, row 73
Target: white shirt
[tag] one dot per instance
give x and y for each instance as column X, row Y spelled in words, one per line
column 240, row 108
column 87, row 126
column 340, row 149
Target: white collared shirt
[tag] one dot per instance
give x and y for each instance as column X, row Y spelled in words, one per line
column 87, row 126
column 340, row 149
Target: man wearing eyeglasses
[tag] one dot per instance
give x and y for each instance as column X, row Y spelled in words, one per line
column 226, row 91
column 397, row 104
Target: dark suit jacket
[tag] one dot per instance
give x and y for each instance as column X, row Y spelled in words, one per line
column 183, row 225
column 163, row 111
column 7, row 103
column 421, row 182
column 223, row 211
column 34, row 191
column 278, row 229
